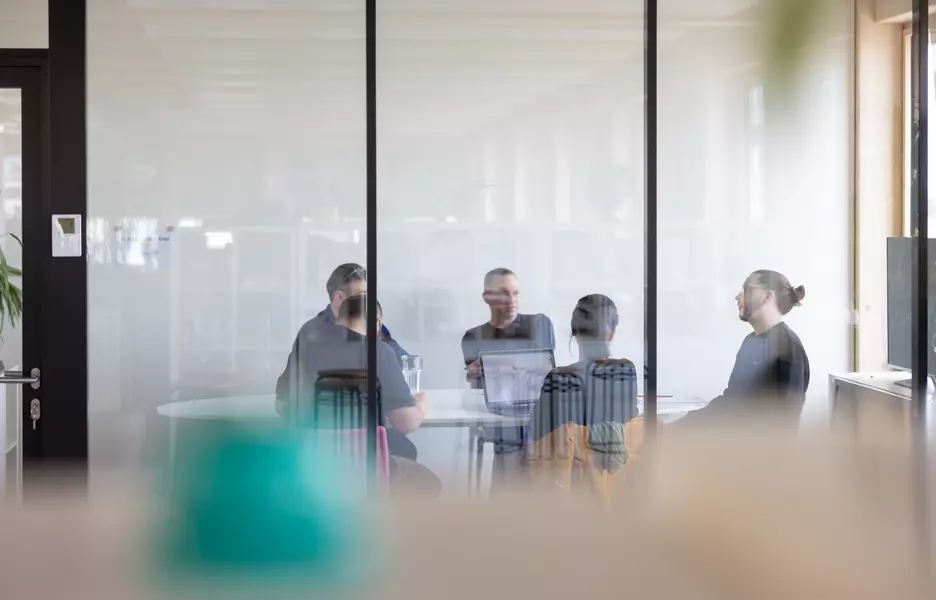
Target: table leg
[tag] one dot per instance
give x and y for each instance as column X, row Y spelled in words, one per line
column 172, row 449
column 479, row 459
column 472, row 441
column 833, row 397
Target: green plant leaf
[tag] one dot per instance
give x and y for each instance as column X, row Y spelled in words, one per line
column 6, row 304
column 16, row 305
column 11, row 297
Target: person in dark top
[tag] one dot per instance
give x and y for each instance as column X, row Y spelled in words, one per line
column 606, row 396
column 347, row 280
column 506, row 329
column 343, row 345
column 771, row 372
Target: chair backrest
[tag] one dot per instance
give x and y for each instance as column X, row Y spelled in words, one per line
column 564, row 392
column 339, row 401
column 611, row 391
column 559, row 403
column 580, row 398
column 602, row 391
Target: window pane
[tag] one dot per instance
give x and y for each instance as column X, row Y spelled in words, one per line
column 508, row 137
column 25, row 24
column 754, row 174
column 226, row 182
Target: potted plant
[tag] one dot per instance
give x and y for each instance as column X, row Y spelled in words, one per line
column 11, row 295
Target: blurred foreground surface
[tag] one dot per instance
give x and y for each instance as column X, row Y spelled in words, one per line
column 723, row 517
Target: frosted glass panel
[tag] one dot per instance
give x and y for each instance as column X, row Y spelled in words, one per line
column 226, row 152
column 754, row 174
column 227, row 180
column 11, row 222
column 510, row 135
column 24, row 24
column 11, row 207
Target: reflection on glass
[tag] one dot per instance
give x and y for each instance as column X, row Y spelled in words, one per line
column 11, row 222
column 754, row 174
column 510, row 160
column 226, row 153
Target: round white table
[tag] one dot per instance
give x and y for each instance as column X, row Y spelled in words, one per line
column 447, row 408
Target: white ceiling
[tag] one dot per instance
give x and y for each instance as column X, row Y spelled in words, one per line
column 442, row 66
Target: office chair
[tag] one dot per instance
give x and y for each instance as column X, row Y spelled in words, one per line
column 345, row 423
column 612, row 391
column 583, row 424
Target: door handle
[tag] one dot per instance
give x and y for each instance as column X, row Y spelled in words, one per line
column 17, row 377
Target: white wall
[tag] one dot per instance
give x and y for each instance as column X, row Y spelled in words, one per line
column 894, row 10
column 755, row 173
column 24, row 24
column 508, row 135
column 880, row 62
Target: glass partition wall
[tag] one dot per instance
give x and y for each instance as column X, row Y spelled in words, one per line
column 509, row 186
column 227, row 179
column 754, row 167
column 495, row 157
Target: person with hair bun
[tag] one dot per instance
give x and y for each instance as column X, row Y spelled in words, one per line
column 584, row 409
column 771, row 370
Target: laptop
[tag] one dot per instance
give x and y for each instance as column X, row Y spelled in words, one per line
column 512, row 379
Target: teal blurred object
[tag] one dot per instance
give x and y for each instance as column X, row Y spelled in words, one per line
column 264, row 506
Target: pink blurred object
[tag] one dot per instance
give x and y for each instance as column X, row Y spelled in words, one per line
column 357, row 452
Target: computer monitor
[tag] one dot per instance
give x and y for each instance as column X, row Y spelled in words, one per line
column 899, row 304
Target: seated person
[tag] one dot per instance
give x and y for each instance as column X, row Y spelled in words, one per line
column 343, row 345
column 771, row 370
column 507, row 329
column 347, row 280
column 583, row 409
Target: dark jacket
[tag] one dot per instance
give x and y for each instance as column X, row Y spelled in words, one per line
column 769, row 379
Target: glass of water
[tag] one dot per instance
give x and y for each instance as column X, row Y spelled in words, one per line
column 412, row 372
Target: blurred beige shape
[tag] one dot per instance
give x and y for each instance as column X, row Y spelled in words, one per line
column 726, row 517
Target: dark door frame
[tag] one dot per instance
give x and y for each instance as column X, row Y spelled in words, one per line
column 61, row 344
column 27, row 70
column 65, row 283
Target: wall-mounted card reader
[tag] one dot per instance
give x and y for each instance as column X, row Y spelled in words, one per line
column 66, row 235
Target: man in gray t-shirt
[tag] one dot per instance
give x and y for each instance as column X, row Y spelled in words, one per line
column 506, row 329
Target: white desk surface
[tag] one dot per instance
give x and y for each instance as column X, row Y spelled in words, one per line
column 883, row 381
column 447, row 408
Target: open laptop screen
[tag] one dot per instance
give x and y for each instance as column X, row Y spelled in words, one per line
column 514, row 376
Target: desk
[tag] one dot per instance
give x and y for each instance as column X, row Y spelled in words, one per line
column 877, row 415
column 447, row 408
column 884, row 382
column 874, row 400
